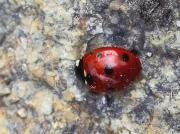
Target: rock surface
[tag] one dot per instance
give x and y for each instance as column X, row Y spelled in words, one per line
column 41, row 40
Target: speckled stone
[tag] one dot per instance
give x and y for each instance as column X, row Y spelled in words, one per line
column 3, row 122
column 40, row 42
column 41, row 102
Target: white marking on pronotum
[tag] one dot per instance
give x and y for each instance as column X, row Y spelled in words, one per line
column 85, row 74
column 77, row 63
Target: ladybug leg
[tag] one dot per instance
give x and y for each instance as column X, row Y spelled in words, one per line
column 109, row 99
column 135, row 52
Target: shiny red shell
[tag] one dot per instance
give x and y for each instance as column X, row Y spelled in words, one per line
column 109, row 69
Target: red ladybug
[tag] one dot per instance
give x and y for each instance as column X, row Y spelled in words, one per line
column 109, row 69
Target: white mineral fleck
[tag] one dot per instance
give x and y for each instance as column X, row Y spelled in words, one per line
column 178, row 23
column 149, row 54
column 22, row 113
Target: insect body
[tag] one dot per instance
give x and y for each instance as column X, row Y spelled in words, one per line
column 109, row 69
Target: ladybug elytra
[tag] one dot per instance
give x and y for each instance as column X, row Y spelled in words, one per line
column 108, row 69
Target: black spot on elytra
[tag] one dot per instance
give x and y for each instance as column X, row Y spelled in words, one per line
column 108, row 70
column 89, row 79
column 125, row 57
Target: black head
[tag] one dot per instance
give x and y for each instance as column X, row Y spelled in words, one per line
column 79, row 70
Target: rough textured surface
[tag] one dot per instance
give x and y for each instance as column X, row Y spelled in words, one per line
column 39, row 43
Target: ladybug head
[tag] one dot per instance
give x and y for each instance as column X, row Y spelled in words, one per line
column 79, row 70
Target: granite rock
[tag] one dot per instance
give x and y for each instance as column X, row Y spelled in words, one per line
column 40, row 41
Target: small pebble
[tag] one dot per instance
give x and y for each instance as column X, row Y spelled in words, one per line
column 68, row 95
column 4, row 90
column 22, row 113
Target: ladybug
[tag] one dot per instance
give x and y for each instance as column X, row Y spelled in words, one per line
column 108, row 69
